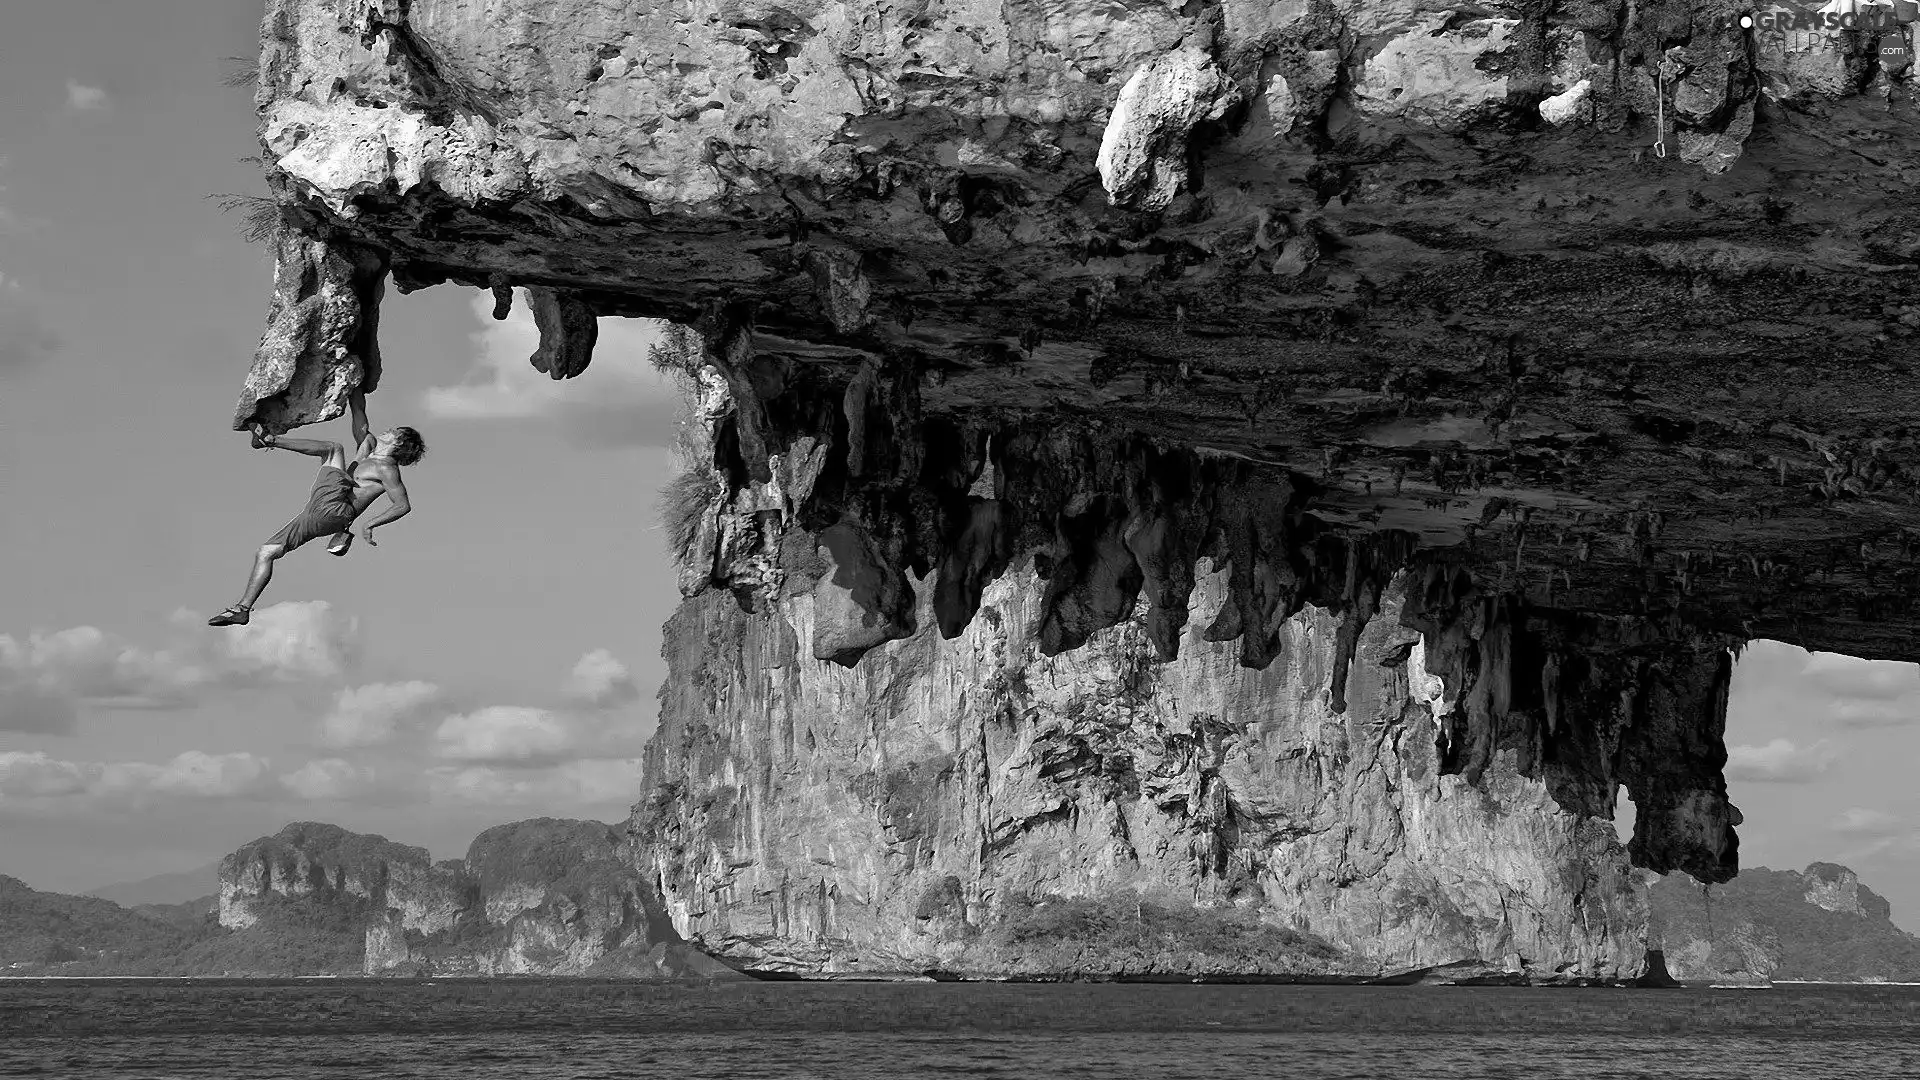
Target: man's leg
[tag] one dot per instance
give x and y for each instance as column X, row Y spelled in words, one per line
column 335, row 454
column 263, row 560
column 241, row 613
column 262, row 573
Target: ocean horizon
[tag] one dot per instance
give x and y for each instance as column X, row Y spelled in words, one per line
column 589, row 1029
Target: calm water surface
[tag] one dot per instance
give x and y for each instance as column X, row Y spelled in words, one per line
column 600, row 1030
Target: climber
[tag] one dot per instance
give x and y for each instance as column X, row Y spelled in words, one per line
column 342, row 493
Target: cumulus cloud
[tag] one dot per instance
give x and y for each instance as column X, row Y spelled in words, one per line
column 1780, row 761
column 601, row 681
column 619, row 401
column 507, row 733
column 44, row 675
column 603, row 781
column 373, row 715
column 1860, row 821
column 330, row 779
column 1866, row 693
column 83, row 98
column 296, row 640
column 1852, row 677
column 405, row 743
column 522, row 735
column 36, row 775
column 31, row 776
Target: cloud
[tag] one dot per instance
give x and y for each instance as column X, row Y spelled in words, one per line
column 35, row 775
column 1865, row 693
column 601, row 681
column 506, row 733
column 1866, row 714
column 83, row 98
column 1859, row 821
column 1780, row 761
column 45, row 675
column 330, row 779
column 193, row 774
column 523, row 735
column 296, row 640
column 1853, row 678
column 618, row 401
column 373, row 715
column 610, row 780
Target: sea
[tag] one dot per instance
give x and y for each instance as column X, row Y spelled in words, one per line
column 583, row 1029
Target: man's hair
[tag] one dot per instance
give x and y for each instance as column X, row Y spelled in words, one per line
column 408, row 446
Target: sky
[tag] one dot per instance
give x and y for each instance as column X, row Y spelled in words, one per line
column 496, row 656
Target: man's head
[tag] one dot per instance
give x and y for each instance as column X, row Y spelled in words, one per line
column 403, row 444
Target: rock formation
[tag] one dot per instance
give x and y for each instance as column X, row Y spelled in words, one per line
column 1819, row 924
column 913, row 811
column 542, row 897
column 1255, row 344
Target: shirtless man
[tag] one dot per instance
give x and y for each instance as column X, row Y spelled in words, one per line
column 342, row 493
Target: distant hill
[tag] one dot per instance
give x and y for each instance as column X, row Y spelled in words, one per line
column 44, row 929
column 43, row 933
column 540, row 897
column 1820, row 923
column 194, row 915
column 175, row 888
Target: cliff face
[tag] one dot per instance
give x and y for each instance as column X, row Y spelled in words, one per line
column 542, row 897
column 1574, row 341
column 921, row 808
column 1820, row 924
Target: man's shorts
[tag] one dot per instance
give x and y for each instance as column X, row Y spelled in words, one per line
column 329, row 510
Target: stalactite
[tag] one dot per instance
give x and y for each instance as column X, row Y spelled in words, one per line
column 568, row 331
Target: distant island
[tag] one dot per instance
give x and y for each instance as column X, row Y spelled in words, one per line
column 1819, row 924
column 551, row 897
column 539, row 897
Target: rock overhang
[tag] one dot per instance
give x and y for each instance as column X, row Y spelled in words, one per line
column 1343, row 249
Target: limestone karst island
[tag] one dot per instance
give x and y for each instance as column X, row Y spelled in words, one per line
column 1227, row 489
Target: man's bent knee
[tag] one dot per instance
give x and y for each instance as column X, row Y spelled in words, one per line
column 270, row 552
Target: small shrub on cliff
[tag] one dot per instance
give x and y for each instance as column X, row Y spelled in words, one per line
column 683, row 502
column 685, row 498
column 678, row 351
column 260, row 217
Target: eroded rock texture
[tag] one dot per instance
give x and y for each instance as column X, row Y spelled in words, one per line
column 1573, row 340
column 925, row 808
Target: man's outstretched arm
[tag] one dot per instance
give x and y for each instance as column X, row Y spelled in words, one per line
column 398, row 504
column 357, row 407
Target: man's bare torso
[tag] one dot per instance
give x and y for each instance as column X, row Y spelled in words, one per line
column 370, row 476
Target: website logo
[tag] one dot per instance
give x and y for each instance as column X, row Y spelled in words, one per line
column 1832, row 17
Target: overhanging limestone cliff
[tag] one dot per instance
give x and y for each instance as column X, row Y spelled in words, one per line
column 1671, row 390
column 1378, row 315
